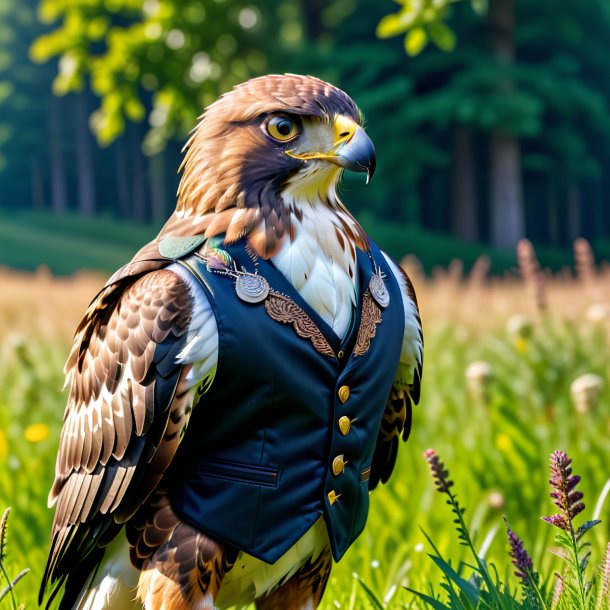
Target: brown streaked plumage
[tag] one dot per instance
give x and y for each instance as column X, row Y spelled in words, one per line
column 221, row 191
column 126, row 411
column 304, row 590
column 181, row 567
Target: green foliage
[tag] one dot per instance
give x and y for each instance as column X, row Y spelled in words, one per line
column 144, row 60
column 424, row 20
column 176, row 55
column 24, row 93
column 576, row 591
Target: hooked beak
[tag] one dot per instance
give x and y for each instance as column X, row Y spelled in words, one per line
column 357, row 154
column 352, row 149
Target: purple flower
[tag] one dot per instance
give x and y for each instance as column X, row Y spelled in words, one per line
column 524, row 567
column 439, row 473
column 563, row 492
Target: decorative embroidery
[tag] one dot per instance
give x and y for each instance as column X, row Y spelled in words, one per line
column 284, row 310
column 371, row 316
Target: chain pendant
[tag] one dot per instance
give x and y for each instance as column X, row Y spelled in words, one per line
column 251, row 288
column 379, row 291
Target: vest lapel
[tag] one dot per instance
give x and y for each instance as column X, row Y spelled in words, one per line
column 285, row 305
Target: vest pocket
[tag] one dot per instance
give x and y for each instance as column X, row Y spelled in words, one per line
column 239, row 471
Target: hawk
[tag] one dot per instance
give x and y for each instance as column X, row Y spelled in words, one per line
column 239, row 387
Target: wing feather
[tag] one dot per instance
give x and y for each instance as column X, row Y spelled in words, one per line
column 128, row 407
column 396, row 420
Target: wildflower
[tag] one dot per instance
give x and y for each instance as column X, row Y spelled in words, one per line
column 585, row 391
column 598, row 312
column 519, row 327
column 530, row 269
column 585, row 261
column 564, row 495
column 524, row 566
column 558, row 590
column 439, row 473
column 3, row 445
column 36, row 433
column 478, row 377
column 504, row 442
column 521, row 345
column 496, row 500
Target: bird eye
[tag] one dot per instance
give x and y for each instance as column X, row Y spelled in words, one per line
column 282, row 128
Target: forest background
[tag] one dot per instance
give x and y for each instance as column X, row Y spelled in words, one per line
column 491, row 122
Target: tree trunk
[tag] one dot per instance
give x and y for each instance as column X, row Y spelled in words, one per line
column 59, row 192
column 37, row 185
column 84, row 160
column 507, row 216
column 312, row 12
column 464, row 208
column 156, row 172
column 508, row 223
column 574, row 219
column 122, row 179
column 138, row 177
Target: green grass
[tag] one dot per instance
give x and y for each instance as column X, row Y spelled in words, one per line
column 68, row 243
column 496, row 440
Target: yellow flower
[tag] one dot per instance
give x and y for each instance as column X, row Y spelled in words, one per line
column 521, row 345
column 3, row 445
column 36, row 433
column 503, row 442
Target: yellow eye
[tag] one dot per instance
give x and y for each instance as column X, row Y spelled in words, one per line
column 282, row 128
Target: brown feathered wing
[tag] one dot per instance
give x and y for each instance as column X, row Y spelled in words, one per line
column 396, row 420
column 127, row 410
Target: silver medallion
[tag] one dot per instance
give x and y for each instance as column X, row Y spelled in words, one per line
column 379, row 291
column 251, row 288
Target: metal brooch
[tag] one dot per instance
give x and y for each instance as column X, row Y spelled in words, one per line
column 251, row 288
column 378, row 290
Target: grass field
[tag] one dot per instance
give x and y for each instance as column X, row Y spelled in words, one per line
column 494, row 424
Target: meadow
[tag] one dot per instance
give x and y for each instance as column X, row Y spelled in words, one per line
column 498, row 396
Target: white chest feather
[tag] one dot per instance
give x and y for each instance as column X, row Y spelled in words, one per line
column 319, row 263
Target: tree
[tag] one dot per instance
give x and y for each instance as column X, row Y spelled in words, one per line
column 163, row 60
column 518, row 92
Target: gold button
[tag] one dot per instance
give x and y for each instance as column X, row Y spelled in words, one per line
column 340, row 354
column 333, row 496
column 338, row 465
column 345, row 425
column 343, row 393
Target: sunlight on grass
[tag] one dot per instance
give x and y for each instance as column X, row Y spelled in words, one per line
column 499, row 396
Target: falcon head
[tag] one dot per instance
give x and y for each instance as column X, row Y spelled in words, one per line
column 264, row 150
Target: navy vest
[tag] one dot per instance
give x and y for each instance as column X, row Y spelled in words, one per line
column 287, row 431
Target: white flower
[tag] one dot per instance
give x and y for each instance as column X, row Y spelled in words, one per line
column 585, row 391
column 478, row 376
column 519, row 327
column 598, row 312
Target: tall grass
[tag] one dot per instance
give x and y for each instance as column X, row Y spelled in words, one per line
column 495, row 423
